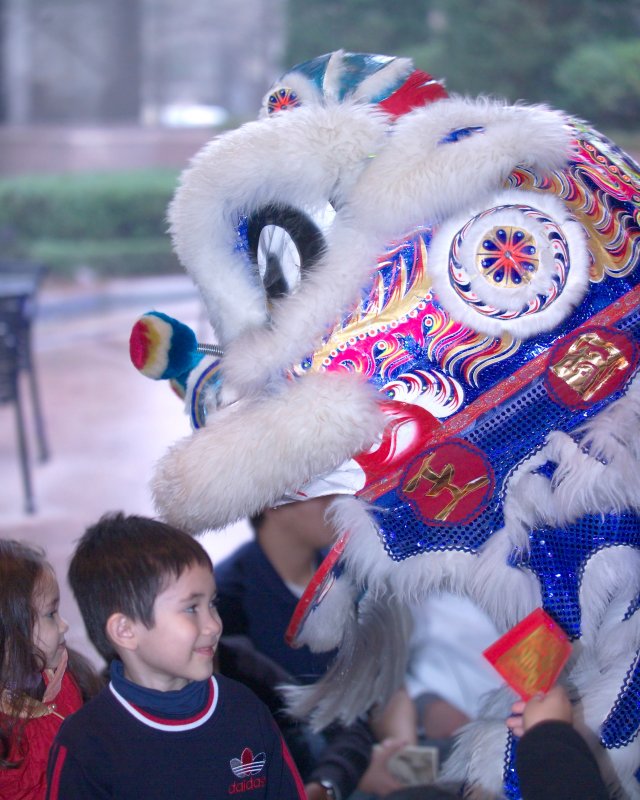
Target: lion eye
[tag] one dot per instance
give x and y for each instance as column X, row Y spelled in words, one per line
column 284, row 243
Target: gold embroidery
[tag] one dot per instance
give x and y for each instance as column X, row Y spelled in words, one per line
column 442, row 481
column 404, row 299
column 588, row 364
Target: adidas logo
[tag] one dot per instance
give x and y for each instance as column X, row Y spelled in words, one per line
column 248, row 764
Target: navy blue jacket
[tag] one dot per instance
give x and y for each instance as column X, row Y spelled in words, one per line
column 254, row 601
column 232, row 747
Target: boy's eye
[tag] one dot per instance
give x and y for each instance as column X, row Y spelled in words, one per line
column 191, row 609
column 213, row 603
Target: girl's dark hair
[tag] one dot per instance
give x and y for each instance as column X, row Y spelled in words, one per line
column 21, row 664
column 89, row 680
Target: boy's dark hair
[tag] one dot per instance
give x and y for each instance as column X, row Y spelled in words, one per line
column 121, row 564
column 256, row 522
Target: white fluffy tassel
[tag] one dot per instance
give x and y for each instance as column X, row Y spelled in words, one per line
column 325, row 626
column 369, row 667
column 252, row 453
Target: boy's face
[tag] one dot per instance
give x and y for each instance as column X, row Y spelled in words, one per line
column 305, row 521
column 180, row 646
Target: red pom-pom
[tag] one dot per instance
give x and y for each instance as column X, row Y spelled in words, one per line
column 139, row 344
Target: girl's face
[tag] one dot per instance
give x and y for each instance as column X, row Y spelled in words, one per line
column 49, row 628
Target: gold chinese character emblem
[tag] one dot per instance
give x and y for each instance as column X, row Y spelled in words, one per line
column 439, row 490
column 589, row 364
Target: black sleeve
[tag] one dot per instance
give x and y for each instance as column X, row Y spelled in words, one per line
column 230, row 584
column 239, row 659
column 345, row 758
column 554, row 761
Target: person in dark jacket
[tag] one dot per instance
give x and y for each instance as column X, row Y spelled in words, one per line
column 552, row 758
column 259, row 586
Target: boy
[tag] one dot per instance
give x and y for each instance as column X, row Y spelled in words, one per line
column 165, row 727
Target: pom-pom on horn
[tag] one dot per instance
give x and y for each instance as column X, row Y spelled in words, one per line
column 163, row 348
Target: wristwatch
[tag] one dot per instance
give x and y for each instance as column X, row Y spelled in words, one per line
column 332, row 792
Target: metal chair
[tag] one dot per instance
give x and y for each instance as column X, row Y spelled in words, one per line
column 12, row 310
column 22, row 279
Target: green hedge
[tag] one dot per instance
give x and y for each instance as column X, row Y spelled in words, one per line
column 111, row 222
column 105, row 256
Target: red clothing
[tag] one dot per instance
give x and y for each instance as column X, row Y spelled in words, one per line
column 28, row 781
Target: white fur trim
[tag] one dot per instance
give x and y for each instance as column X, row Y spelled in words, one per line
column 610, row 584
column 356, row 679
column 478, row 758
column 599, row 475
column 596, row 687
column 253, row 452
column 416, row 180
column 302, row 159
column 316, row 154
column 324, row 627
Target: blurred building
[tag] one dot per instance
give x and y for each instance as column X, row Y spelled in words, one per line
column 145, row 63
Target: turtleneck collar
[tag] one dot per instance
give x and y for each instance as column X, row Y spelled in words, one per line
column 187, row 704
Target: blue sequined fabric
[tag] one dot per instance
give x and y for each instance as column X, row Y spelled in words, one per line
column 633, row 607
column 623, row 723
column 511, row 784
column 558, row 557
column 506, row 436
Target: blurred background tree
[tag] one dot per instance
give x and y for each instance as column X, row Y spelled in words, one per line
column 117, row 96
column 579, row 55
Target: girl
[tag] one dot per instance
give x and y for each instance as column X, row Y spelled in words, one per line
column 37, row 688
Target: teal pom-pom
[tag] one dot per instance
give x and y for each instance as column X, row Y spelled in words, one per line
column 163, row 348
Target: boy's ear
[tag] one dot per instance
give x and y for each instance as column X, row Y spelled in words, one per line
column 121, row 630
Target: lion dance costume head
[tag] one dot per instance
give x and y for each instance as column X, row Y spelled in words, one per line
column 428, row 307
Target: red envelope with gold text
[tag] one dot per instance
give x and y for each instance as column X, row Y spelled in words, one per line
column 531, row 655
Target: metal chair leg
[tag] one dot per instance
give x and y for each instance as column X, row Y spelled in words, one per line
column 29, row 505
column 43, row 447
